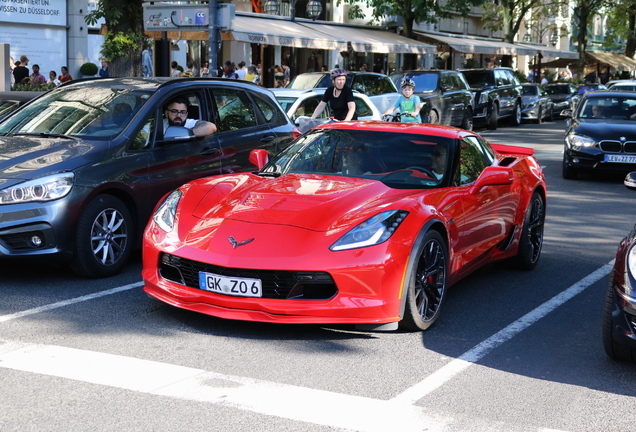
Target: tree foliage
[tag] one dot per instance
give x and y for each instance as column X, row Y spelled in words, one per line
column 124, row 40
column 622, row 26
column 584, row 11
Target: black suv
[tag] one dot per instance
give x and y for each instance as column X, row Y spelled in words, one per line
column 378, row 87
column 497, row 94
column 83, row 165
column 445, row 95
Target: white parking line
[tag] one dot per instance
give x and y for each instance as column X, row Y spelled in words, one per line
column 285, row 401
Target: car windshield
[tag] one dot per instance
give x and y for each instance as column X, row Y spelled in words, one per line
column 479, row 78
column 89, row 111
column 609, row 107
column 557, row 90
column 286, row 101
column 529, row 91
column 399, row 160
column 424, row 82
column 306, row 81
column 627, row 87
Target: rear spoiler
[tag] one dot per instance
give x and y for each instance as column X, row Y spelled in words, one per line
column 512, row 150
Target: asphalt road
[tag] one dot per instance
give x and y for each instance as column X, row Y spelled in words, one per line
column 513, row 351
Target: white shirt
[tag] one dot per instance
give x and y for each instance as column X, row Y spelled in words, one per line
column 241, row 73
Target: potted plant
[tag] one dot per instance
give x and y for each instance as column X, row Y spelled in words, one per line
column 89, row 69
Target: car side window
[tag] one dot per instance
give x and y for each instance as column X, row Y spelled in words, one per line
column 195, row 110
column 142, row 139
column 358, row 84
column 235, row 109
column 309, row 105
column 446, row 81
column 266, row 109
column 512, row 79
column 472, row 161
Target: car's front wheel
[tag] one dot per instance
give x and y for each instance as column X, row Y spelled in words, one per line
column 531, row 239
column 613, row 349
column 494, row 117
column 516, row 115
column 427, row 287
column 467, row 122
column 104, row 238
column 433, row 117
column 540, row 115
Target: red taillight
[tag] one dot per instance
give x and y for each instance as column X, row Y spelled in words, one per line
column 296, row 133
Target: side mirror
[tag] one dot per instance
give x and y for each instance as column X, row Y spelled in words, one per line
column 177, row 134
column 630, row 181
column 492, row 176
column 259, row 157
column 566, row 113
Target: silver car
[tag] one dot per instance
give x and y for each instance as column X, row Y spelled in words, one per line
column 535, row 103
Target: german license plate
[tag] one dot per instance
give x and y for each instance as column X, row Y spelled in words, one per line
column 620, row 158
column 234, row 286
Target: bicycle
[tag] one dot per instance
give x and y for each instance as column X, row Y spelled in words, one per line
column 395, row 118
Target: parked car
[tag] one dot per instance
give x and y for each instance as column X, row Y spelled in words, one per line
column 12, row 100
column 536, row 105
column 619, row 313
column 297, row 103
column 627, row 86
column 611, row 83
column 84, row 165
column 601, row 134
column 445, row 95
column 378, row 87
column 497, row 95
column 564, row 96
column 584, row 88
column 354, row 223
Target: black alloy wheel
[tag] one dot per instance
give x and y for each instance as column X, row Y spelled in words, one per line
column 531, row 240
column 427, row 287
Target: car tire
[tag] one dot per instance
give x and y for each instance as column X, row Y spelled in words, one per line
column 531, row 240
column 613, row 349
column 494, row 117
column 516, row 115
column 433, row 117
column 427, row 286
column 551, row 115
column 568, row 172
column 103, row 239
column 540, row 116
column 467, row 122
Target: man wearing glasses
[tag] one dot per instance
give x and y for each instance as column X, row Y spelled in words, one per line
column 176, row 114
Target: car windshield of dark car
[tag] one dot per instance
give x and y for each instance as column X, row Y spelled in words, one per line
column 88, row 112
column 529, row 91
column 557, row 90
column 399, row 160
column 425, row 82
column 606, row 107
column 478, row 79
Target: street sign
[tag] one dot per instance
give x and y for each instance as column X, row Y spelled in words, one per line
column 186, row 17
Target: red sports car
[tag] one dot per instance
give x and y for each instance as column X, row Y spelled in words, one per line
column 364, row 223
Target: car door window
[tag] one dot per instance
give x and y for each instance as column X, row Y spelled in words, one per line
column 472, row 161
column 309, row 105
column 446, row 82
column 234, row 108
column 143, row 138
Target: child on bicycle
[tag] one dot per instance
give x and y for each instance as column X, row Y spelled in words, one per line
column 408, row 103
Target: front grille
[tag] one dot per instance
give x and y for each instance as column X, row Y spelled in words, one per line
column 277, row 284
column 628, row 147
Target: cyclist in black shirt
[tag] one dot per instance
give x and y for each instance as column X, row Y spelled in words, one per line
column 339, row 97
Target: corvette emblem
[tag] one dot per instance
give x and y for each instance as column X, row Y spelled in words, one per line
column 236, row 244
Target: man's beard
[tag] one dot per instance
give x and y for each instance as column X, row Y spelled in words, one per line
column 177, row 121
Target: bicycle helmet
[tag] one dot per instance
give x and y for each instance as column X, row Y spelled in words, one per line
column 338, row 72
column 407, row 82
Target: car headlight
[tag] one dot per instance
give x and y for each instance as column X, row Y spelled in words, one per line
column 166, row 212
column 631, row 261
column 576, row 142
column 42, row 189
column 371, row 232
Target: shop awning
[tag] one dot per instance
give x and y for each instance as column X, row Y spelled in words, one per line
column 478, row 46
column 610, row 59
column 373, row 41
column 267, row 30
column 550, row 52
column 283, row 32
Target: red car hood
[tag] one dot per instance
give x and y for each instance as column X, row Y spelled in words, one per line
column 315, row 202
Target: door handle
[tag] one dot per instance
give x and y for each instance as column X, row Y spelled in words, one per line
column 210, row 151
column 268, row 138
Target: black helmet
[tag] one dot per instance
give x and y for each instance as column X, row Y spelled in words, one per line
column 407, row 82
column 338, row 72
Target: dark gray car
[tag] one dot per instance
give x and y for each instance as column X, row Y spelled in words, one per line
column 497, row 95
column 83, row 165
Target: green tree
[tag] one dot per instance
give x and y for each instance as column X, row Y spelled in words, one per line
column 584, row 11
column 621, row 28
column 124, row 40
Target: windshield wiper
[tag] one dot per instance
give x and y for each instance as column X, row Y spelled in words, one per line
column 269, row 174
column 45, row 135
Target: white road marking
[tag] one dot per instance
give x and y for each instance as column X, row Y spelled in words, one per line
column 296, row 403
column 445, row 373
column 9, row 317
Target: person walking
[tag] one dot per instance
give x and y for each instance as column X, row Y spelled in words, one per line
column 103, row 71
